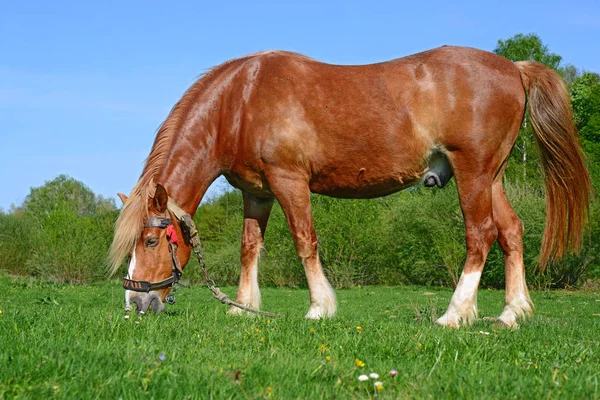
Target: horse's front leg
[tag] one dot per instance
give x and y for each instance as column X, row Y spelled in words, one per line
column 294, row 197
column 256, row 216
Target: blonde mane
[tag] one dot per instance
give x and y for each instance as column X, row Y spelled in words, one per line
column 131, row 219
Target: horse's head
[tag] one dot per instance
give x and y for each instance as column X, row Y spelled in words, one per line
column 154, row 261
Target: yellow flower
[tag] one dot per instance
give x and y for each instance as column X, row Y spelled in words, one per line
column 359, row 329
column 256, row 330
column 268, row 322
column 327, row 358
column 378, row 386
column 323, row 347
column 0, row 312
column 262, row 339
column 313, row 330
column 419, row 345
column 268, row 391
column 359, row 363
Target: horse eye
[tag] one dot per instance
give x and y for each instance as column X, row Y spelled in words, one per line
column 151, row 242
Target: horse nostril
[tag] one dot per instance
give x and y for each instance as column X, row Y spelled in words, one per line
column 157, row 305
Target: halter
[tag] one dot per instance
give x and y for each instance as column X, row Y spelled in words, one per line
column 170, row 282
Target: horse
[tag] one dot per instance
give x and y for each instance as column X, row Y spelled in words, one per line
column 280, row 125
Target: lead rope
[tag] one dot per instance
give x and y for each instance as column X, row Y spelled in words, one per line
column 192, row 234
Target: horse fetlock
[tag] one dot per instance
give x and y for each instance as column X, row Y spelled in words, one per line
column 249, row 297
column 456, row 317
column 240, row 313
column 323, row 302
column 519, row 309
column 319, row 312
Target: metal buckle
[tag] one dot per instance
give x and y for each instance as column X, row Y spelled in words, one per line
column 157, row 222
column 170, row 299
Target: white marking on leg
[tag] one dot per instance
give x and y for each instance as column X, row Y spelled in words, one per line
column 254, row 289
column 519, row 308
column 132, row 265
column 248, row 297
column 323, row 302
column 518, row 305
column 463, row 305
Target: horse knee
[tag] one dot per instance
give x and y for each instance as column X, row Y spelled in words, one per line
column 252, row 246
column 480, row 238
column 307, row 249
column 252, row 239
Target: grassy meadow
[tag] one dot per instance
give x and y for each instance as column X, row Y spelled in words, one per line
column 393, row 261
column 65, row 341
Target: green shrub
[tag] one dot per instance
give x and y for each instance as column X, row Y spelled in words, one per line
column 61, row 232
column 15, row 242
column 69, row 248
column 413, row 237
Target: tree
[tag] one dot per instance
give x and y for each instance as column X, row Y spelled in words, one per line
column 529, row 47
column 570, row 74
column 67, row 194
column 585, row 98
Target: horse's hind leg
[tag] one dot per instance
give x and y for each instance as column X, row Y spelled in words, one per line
column 475, row 193
column 294, row 197
column 256, row 216
column 510, row 237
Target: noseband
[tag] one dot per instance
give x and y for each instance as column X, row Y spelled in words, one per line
column 170, row 282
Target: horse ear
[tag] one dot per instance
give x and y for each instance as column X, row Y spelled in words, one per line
column 122, row 197
column 161, row 198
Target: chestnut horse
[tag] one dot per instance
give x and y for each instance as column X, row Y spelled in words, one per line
column 280, row 125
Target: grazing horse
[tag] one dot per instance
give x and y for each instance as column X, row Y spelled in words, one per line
column 280, row 125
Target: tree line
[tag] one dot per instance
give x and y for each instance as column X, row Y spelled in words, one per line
column 62, row 230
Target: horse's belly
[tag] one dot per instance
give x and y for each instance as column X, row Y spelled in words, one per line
column 375, row 180
column 362, row 184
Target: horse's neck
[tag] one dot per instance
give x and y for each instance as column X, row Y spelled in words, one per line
column 190, row 170
column 195, row 156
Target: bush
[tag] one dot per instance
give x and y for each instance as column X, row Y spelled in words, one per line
column 15, row 242
column 413, row 237
column 62, row 232
column 69, row 248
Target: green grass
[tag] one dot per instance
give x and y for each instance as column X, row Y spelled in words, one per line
column 63, row 341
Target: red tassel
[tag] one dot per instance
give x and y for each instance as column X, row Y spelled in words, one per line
column 172, row 234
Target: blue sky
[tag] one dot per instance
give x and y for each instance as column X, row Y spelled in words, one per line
column 84, row 85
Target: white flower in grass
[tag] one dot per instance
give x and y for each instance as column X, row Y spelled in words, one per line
column 374, row 375
column 363, row 378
